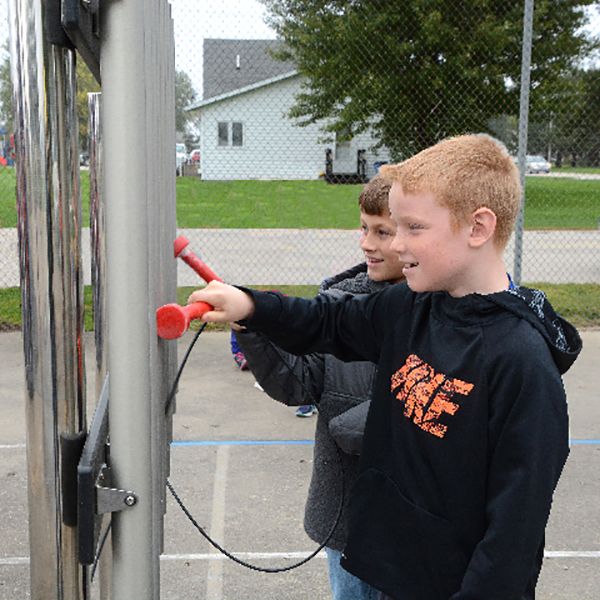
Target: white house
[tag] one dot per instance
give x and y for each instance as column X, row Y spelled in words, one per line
column 245, row 132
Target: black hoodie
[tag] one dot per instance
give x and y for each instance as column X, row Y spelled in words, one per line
column 465, row 440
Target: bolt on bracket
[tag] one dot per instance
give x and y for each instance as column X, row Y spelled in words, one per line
column 113, row 499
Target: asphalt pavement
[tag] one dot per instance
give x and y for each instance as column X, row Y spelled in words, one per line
column 242, row 462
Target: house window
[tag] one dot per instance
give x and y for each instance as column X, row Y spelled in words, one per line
column 223, row 133
column 237, row 133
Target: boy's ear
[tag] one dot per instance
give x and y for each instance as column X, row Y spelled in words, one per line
column 483, row 227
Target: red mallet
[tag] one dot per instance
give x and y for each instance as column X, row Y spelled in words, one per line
column 172, row 320
column 182, row 250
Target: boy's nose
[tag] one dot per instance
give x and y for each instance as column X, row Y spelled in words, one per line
column 397, row 245
column 365, row 241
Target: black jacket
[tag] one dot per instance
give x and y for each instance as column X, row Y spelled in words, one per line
column 465, row 440
column 342, row 393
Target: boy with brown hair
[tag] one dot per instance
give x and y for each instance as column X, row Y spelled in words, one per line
column 468, row 429
column 340, row 390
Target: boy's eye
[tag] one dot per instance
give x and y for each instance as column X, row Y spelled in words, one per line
column 384, row 233
column 414, row 226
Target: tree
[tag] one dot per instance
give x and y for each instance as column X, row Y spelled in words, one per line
column 184, row 96
column 571, row 124
column 419, row 70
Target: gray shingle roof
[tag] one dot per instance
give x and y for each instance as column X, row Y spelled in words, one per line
column 225, row 72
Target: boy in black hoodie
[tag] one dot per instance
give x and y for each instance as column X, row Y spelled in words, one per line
column 468, row 429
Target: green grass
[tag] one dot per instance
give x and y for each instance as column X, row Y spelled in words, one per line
column 266, row 204
column 561, row 203
column 552, row 203
column 592, row 170
column 579, row 303
column 10, row 308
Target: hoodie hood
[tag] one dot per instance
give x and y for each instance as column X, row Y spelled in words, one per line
column 352, row 281
column 532, row 305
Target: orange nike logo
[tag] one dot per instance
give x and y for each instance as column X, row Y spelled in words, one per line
column 426, row 394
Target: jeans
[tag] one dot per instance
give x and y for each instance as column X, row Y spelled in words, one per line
column 345, row 586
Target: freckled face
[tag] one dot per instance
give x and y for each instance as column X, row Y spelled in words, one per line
column 377, row 233
column 435, row 254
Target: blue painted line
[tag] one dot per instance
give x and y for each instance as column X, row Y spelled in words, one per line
column 245, row 443
column 584, row 442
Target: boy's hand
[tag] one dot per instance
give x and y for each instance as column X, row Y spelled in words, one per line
column 230, row 303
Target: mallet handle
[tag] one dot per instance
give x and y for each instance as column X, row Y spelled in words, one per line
column 184, row 252
column 172, row 320
column 199, row 266
column 196, row 310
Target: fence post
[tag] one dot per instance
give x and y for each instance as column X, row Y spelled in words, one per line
column 523, row 125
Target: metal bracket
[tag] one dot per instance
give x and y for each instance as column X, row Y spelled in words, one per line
column 96, row 494
column 80, row 20
column 109, row 499
column 75, row 24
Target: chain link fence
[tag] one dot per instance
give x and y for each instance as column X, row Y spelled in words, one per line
column 317, row 95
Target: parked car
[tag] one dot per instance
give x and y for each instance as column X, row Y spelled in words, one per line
column 194, row 156
column 84, row 159
column 180, row 157
column 536, row 164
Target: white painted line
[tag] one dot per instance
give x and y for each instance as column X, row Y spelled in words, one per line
column 14, row 560
column 212, row 557
column 214, row 578
column 11, row 446
column 572, row 554
column 244, row 555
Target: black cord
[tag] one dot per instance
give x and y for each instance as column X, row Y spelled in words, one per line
column 248, row 565
column 195, row 523
column 173, row 391
column 168, row 404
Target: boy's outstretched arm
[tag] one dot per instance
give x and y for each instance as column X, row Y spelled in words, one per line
column 349, row 327
column 230, row 303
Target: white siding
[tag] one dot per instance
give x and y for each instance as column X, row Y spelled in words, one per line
column 273, row 147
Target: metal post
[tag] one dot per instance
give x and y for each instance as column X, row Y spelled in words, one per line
column 523, row 125
column 139, row 190
column 49, row 226
column 98, row 263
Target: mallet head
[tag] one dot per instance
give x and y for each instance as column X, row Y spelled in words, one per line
column 180, row 244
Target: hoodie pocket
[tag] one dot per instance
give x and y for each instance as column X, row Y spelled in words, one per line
column 414, row 551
